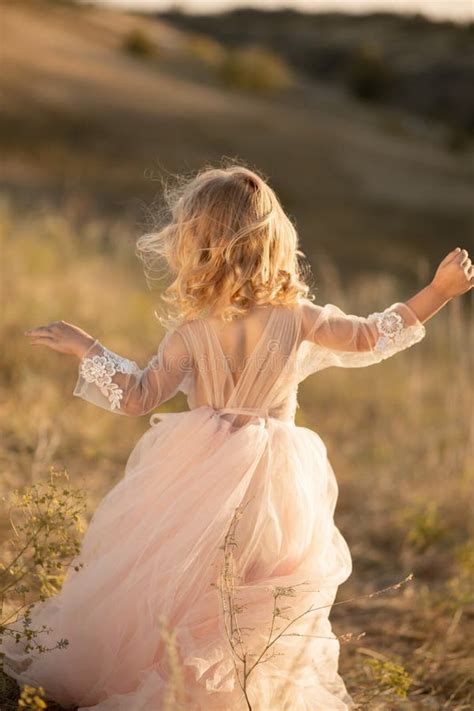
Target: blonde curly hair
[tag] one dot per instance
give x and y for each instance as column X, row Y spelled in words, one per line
column 228, row 244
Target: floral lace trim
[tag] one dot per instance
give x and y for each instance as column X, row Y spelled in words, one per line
column 393, row 331
column 100, row 369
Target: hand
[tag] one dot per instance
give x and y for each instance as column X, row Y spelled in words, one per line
column 62, row 337
column 455, row 274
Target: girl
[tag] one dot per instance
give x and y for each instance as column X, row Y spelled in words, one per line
column 222, row 525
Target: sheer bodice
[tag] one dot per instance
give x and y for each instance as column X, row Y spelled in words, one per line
column 244, row 371
column 250, row 367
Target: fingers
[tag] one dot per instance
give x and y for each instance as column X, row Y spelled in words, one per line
column 43, row 335
column 457, row 255
column 38, row 336
column 48, row 329
column 42, row 340
column 468, row 274
column 466, row 266
column 451, row 256
column 60, row 336
column 38, row 331
column 465, row 259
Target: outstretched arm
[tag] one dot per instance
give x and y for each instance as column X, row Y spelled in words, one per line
column 332, row 337
column 111, row 381
column 454, row 277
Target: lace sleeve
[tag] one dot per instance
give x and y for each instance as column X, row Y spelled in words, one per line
column 334, row 338
column 118, row 384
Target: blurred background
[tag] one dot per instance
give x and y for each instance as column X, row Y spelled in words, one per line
column 361, row 115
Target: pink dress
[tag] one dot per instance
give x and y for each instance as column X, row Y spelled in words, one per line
column 154, row 550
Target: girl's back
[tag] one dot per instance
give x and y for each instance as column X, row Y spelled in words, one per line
column 244, row 364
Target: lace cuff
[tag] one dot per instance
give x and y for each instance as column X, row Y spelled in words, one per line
column 96, row 372
column 396, row 332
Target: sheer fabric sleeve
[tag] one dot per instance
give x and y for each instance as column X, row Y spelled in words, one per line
column 119, row 385
column 334, row 338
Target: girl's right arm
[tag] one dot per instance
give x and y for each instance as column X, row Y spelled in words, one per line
column 113, row 382
column 118, row 384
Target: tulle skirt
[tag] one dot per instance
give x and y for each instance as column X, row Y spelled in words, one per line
column 222, row 537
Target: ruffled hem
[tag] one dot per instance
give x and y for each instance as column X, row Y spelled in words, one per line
column 153, row 552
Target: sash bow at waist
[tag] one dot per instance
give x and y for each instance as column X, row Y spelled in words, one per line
column 258, row 412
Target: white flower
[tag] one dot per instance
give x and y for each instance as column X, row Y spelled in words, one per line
column 391, row 328
column 100, row 369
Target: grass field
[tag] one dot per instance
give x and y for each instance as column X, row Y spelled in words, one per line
column 400, row 436
column 83, row 127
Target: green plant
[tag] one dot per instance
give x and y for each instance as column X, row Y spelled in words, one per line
column 45, row 523
column 32, row 698
column 391, row 678
column 256, row 70
column 425, row 526
column 206, row 50
column 139, row 44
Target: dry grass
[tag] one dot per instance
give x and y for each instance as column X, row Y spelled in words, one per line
column 400, row 436
column 87, row 130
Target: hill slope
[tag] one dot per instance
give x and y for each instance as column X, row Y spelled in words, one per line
column 80, row 114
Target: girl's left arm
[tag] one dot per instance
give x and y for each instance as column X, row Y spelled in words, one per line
column 118, row 384
column 334, row 338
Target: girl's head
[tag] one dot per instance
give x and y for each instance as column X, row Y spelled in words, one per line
column 228, row 244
